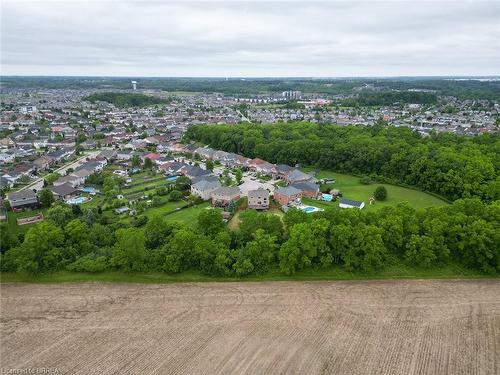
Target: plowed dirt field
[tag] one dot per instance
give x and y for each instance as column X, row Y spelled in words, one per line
column 355, row 327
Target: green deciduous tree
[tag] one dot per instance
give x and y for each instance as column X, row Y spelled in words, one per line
column 210, row 222
column 148, row 163
column 129, row 253
column 257, row 255
column 41, row 250
column 182, row 183
column 380, row 193
column 209, row 165
column 60, row 215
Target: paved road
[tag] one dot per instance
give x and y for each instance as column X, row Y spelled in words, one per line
column 38, row 183
column 243, row 117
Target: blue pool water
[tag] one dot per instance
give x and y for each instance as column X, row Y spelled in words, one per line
column 327, row 197
column 77, row 200
column 309, row 209
column 172, row 178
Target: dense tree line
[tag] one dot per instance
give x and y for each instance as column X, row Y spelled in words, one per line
column 446, row 164
column 463, row 89
column 124, row 100
column 464, row 233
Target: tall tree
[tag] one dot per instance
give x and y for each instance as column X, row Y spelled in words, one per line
column 129, row 253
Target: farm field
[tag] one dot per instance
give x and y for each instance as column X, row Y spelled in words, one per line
column 343, row 327
column 353, row 189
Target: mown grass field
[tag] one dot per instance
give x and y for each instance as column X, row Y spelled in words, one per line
column 353, row 189
column 13, row 216
column 188, row 215
column 397, row 271
column 234, row 223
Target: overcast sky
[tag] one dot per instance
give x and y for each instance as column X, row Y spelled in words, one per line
column 263, row 39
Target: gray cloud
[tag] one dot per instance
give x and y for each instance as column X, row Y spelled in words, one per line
column 369, row 38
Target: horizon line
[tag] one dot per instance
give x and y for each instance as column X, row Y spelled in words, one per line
column 250, row 77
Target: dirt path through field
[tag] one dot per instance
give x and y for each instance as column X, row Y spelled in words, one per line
column 356, row 327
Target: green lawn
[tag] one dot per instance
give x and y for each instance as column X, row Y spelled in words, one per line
column 188, row 215
column 13, row 216
column 96, row 201
column 163, row 209
column 353, row 189
column 235, row 221
column 310, row 274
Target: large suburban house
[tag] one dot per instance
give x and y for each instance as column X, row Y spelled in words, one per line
column 124, row 154
column 72, row 180
column 204, row 188
column 262, row 166
column 348, row 203
column 82, row 173
column 223, row 196
column 22, row 199
column 194, row 171
column 222, row 156
column 62, row 154
column 44, row 162
column 282, row 171
column 64, row 191
column 258, row 199
column 205, row 152
column 287, row 195
column 108, row 154
column 309, row 189
column 297, row 176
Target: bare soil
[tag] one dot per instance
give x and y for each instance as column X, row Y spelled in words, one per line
column 355, row 327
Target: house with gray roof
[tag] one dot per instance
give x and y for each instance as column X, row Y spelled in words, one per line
column 23, row 199
column 222, row 196
column 108, row 154
column 287, row 195
column 308, row 188
column 297, row 176
column 205, row 152
column 64, row 191
column 70, row 179
column 349, row 203
column 282, row 171
column 204, row 188
column 195, row 171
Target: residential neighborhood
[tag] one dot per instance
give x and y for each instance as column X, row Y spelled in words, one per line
column 57, row 139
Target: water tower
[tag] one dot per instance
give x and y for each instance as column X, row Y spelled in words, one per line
column 134, row 85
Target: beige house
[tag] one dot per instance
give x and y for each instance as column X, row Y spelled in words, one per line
column 204, row 188
column 258, row 199
column 222, row 196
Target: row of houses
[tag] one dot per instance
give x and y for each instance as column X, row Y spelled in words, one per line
column 299, row 184
column 222, row 196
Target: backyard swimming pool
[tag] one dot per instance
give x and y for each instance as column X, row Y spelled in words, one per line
column 309, row 209
column 172, row 178
column 78, row 200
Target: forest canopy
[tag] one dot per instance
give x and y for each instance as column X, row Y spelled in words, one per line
column 125, row 100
